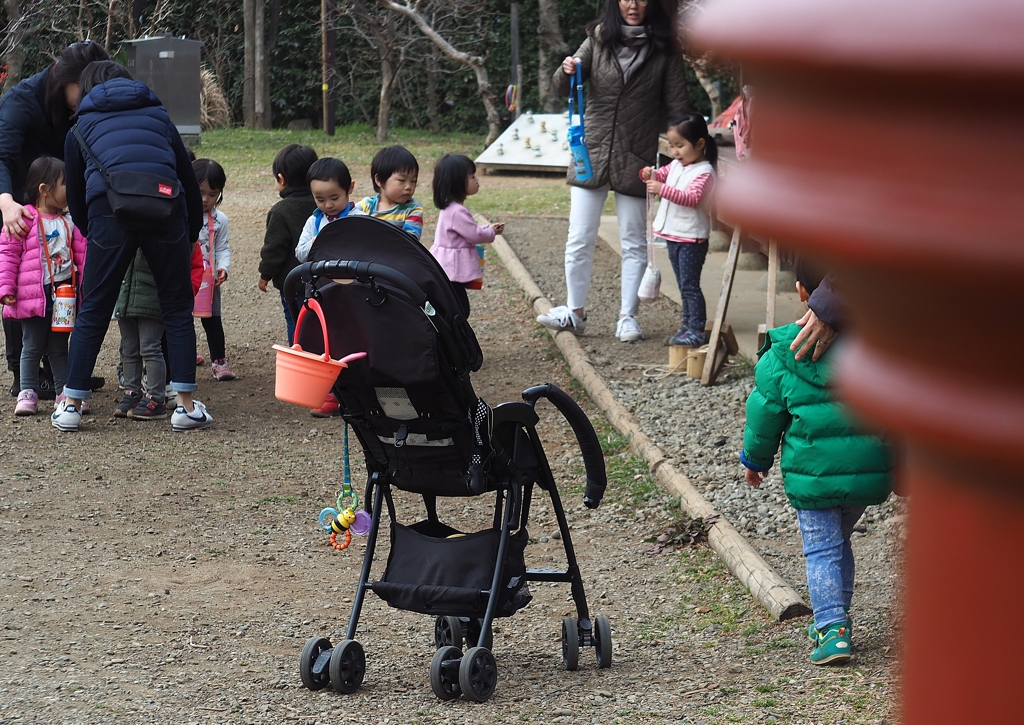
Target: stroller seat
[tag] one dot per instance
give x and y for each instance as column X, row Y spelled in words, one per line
column 423, row 430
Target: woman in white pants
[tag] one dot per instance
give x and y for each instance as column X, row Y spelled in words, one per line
column 632, row 62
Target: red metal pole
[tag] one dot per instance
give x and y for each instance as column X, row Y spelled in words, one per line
column 890, row 141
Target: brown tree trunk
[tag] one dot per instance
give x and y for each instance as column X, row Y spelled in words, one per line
column 269, row 44
column 249, row 64
column 710, row 88
column 136, row 19
column 551, row 50
column 261, row 76
column 433, row 101
column 15, row 57
column 387, row 79
column 15, row 64
column 110, row 24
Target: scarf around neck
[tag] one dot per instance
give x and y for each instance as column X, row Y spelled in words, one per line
column 634, row 49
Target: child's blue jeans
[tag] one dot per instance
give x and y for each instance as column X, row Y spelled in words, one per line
column 830, row 567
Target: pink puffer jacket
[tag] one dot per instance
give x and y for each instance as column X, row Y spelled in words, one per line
column 22, row 265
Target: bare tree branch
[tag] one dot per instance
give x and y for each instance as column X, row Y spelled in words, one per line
column 475, row 62
column 701, row 64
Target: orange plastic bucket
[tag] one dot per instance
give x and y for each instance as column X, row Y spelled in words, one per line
column 304, row 378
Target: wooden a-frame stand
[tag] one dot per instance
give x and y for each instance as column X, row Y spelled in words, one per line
column 722, row 342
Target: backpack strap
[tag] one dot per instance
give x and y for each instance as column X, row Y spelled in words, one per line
column 88, row 150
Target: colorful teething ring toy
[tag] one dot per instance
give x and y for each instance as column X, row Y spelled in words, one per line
column 334, row 540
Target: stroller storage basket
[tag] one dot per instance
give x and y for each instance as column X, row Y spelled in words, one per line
column 434, row 569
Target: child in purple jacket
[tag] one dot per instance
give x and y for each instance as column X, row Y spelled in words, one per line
column 457, row 235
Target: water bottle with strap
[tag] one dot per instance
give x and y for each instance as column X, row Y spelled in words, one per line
column 577, row 135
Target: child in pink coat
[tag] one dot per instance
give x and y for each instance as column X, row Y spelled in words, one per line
column 457, row 235
column 28, row 277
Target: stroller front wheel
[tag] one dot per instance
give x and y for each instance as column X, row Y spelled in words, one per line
column 444, row 673
column 478, row 674
column 570, row 644
column 348, row 666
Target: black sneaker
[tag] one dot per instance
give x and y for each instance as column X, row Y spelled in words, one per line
column 149, row 408
column 129, row 401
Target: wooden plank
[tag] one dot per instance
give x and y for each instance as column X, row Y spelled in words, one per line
column 773, row 281
column 732, row 345
column 535, row 169
column 721, row 356
column 723, row 306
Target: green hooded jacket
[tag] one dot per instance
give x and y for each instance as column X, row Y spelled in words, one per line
column 827, row 461
column 138, row 296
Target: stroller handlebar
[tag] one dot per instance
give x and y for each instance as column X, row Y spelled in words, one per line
column 590, row 447
column 348, row 269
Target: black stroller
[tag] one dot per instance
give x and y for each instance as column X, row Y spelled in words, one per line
column 423, row 430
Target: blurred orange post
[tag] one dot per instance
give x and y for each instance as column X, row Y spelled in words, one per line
column 889, row 140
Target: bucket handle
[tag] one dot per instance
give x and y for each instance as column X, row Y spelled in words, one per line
column 312, row 304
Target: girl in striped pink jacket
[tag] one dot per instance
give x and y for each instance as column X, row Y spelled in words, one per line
column 684, row 219
column 51, row 253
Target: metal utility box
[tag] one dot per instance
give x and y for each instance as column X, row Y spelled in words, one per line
column 170, row 67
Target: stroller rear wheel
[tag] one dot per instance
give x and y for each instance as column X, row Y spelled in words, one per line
column 603, row 641
column 444, row 673
column 348, row 666
column 570, row 643
column 478, row 674
column 319, row 679
column 447, row 632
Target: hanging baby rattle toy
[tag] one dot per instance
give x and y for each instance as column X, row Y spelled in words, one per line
column 345, row 519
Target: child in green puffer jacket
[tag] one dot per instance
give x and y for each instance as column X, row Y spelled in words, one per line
column 831, row 470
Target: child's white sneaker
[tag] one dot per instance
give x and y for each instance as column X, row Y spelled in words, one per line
column 562, row 318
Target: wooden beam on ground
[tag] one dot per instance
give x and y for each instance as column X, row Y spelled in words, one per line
column 708, row 378
column 743, row 561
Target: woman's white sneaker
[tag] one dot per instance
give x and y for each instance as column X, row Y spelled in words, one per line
column 628, row 329
column 562, row 318
column 181, row 420
column 66, row 417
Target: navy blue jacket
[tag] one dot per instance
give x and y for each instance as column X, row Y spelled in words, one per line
column 26, row 133
column 128, row 129
column 828, row 305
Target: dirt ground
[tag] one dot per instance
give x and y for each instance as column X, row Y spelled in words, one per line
column 155, row 577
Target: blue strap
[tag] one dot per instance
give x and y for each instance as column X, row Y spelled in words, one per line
column 576, row 83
